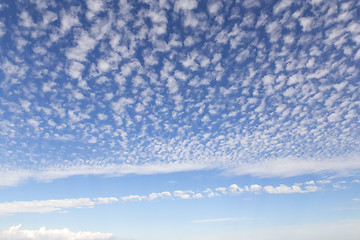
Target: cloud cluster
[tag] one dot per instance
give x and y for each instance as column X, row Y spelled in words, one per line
column 147, row 87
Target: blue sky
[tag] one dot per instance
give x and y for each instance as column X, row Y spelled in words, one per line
column 179, row 119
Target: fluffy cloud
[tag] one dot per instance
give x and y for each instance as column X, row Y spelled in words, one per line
column 17, row 233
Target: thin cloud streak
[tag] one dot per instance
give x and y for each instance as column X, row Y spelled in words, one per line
column 58, row 205
column 341, row 166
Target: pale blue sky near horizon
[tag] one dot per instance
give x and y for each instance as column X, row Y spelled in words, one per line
column 186, row 119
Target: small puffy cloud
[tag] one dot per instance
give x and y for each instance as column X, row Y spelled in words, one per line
column 68, row 20
column 75, row 70
column 183, row 194
column 17, row 233
column 185, row 5
column 306, row 23
column 172, row 85
column 85, row 43
column 78, row 95
column 103, row 66
column 47, row 87
column 120, row 105
column 221, row 190
column 214, row 7
column 25, row 105
column 153, row 196
column 102, row 116
column 310, row 182
column 255, row 188
column 235, row 189
column 311, row 188
column 133, row 198
column 33, row 122
column 26, row 19
column 282, row 5
column 282, row 189
column 95, row 5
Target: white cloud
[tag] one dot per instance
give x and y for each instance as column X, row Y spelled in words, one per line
column 310, row 182
column 16, row 233
column 95, row 5
column 293, row 167
column 282, row 5
column 25, row 105
column 26, row 19
column 172, row 85
column 185, row 5
column 33, row 122
column 235, row 189
column 323, row 181
column 306, row 23
column 75, row 70
column 316, row 2
column 2, row 29
column 103, row 66
column 282, row 189
column 68, row 20
column 133, row 198
column 153, row 196
column 9, row 208
column 255, row 188
column 274, row 31
column 85, row 43
column 120, row 105
column 47, row 87
column 183, row 194
column 214, row 7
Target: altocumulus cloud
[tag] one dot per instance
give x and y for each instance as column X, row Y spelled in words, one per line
column 266, row 88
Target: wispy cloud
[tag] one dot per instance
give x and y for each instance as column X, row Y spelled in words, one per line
column 45, row 206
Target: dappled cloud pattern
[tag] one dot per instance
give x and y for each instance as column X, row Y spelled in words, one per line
column 116, row 87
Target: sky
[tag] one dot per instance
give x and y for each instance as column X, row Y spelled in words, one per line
column 179, row 119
